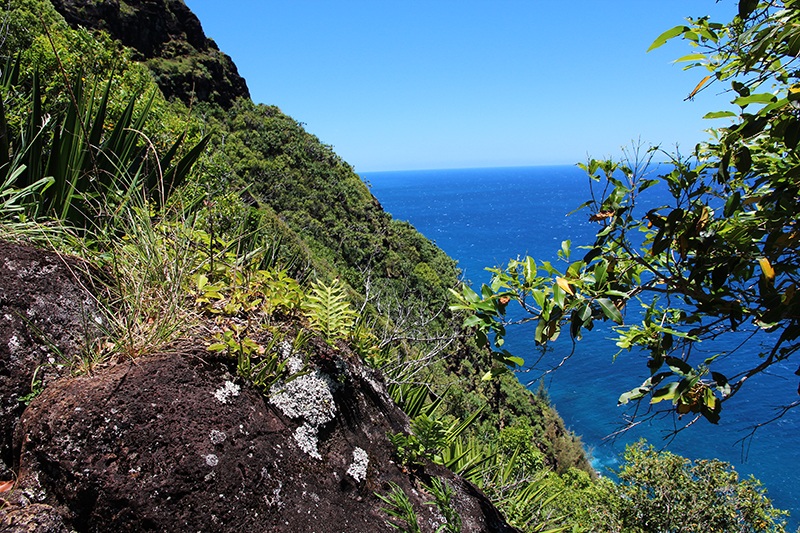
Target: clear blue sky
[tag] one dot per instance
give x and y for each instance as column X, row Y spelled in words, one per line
column 458, row 83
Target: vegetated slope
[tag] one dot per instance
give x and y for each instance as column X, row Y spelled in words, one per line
column 263, row 181
column 318, row 215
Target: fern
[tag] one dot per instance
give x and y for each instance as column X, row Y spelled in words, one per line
column 329, row 311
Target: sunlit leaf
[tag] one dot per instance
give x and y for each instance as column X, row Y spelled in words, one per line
column 719, row 114
column 667, row 392
column 565, row 286
column 610, row 310
column 679, row 366
column 667, row 35
column 761, row 98
column 690, row 57
column 766, row 269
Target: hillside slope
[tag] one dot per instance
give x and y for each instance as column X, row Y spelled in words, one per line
column 266, row 210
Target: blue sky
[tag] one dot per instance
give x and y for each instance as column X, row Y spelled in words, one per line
column 453, row 84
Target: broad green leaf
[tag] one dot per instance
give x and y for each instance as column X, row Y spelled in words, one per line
column 558, row 294
column 635, row 394
column 529, row 271
column 679, row 366
column 732, row 204
column 710, row 399
column 667, row 35
column 497, row 283
column 746, row 7
column 486, row 292
column 690, row 57
column 470, row 295
column 513, row 360
column 585, row 313
column 610, row 310
column 667, row 392
column 493, row 373
column 539, row 335
column 600, row 272
column 539, row 298
column 217, row 347
column 761, row 98
column 472, row 321
column 720, row 114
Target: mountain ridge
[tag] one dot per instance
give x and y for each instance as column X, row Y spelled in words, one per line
column 170, row 39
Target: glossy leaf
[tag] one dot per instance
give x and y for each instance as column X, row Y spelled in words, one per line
column 679, row 367
column 609, row 310
column 719, row 114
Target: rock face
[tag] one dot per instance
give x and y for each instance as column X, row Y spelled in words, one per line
column 46, row 314
column 176, row 442
column 171, row 40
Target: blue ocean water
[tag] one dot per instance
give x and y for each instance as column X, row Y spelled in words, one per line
column 484, row 217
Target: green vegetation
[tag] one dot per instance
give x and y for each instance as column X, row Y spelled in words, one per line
column 239, row 220
column 329, row 312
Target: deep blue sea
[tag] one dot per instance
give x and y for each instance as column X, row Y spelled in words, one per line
column 484, row 217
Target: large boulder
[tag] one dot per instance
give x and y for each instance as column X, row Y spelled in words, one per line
column 47, row 313
column 176, row 442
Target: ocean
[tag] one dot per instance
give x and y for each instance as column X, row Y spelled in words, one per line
column 484, row 217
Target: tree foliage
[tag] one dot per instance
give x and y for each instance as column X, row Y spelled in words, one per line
column 666, row 492
column 662, row 492
column 718, row 257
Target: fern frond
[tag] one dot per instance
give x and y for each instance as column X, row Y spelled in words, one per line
column 329, row 311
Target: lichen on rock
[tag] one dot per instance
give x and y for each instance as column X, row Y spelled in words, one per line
column 358, row 469
column 226, row 392
column 308, row 398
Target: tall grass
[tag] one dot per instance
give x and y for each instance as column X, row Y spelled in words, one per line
column 96, row 187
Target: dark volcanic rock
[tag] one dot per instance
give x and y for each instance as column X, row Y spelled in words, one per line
column 172, row 443
column 46, row 313
column 169, row 36
column 32, row 518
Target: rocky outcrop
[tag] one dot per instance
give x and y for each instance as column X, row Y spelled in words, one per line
column 177, row 442
column 170, row 38
column 46, row 315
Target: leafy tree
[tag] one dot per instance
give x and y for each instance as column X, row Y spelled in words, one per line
column 666, row 492
column 663, row 492
column 721, row 256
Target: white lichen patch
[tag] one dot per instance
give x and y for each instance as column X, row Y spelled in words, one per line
column 226, row 392
column 306, row 437
column 14, row 345
column 212, row 460
column 358, row 469
column 377, row 387
column 308, row 398
column 217, row 436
